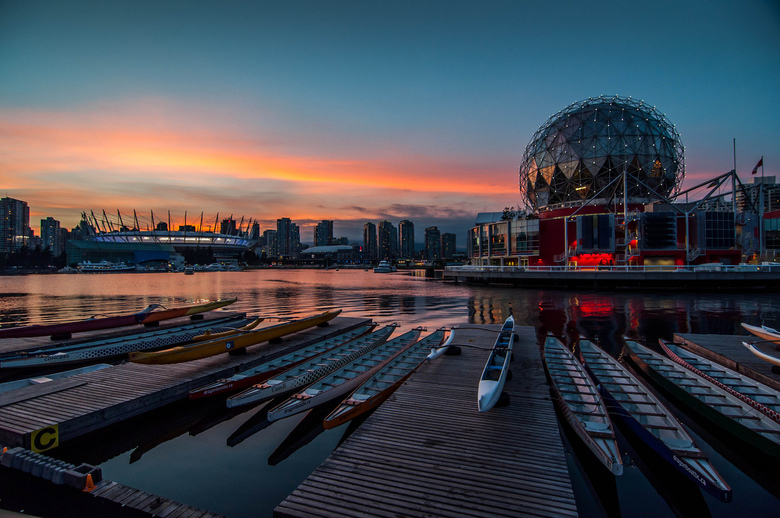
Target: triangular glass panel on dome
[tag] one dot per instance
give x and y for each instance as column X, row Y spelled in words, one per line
column 569, row 168
column 594, row 164
column 582, row 191
column 547, row 173
column 532, row 172
column 540, row 183
column 668, row 164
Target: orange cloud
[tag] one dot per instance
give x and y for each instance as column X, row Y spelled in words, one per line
column 58, row 160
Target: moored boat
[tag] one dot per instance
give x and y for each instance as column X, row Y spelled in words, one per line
column 768, row 354
column 384, row 267
column 104, row 267
column 496, row 370
column 765, row 333
column 110, row 347
column 631, row 403
column 311, row 370
column 730, row 414
column 273, row 367
column 149, row 315
column 376, row 389
column 205, row 349
column 345, row 379
column 753, row 392
column 581, row 404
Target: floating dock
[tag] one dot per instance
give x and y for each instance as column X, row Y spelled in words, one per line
column 427, row 451
column 42, row 416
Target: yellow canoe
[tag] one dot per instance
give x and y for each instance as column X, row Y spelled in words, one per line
column 198, row 350
column 208, row 335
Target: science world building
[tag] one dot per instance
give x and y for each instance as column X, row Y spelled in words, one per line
column 600, row 185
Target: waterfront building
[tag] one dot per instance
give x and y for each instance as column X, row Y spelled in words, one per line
column 448, row 242
column 51, row 236
column 333, row 255
column 406, row 237
column 601, row 183
column 432, row 244
column 14, row 224
column 323, row 233
column 385, row 234
column 370, row 246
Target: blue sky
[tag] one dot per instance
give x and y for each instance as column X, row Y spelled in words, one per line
column 355, row 111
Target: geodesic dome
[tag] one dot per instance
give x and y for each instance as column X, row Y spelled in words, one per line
column 581, row 152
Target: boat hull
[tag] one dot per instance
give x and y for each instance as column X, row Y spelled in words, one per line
column 623, row 417
column 737, row 432
column 270, row 370
column 147, row 316
column 763, row 333
column 774, row 360
column 105, row 348
column 210, row 348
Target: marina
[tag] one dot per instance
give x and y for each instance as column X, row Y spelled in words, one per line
column 173, row 451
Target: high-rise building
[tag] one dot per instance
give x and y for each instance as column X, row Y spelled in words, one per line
column 370, row 250
column 270, row 247
column 386, row 234
column 432, row 244
column 323, row 233
column 288, row 238
column 448, row 241
column 14, row 224
column 406, row 234
column 51, row 236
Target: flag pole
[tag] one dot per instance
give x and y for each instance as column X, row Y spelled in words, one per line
column 761, row 216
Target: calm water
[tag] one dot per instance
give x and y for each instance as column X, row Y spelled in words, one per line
column 206, row 457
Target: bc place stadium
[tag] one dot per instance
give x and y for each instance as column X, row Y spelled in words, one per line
column 123, row 242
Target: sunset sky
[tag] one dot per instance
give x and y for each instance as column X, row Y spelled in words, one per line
column 355, row 111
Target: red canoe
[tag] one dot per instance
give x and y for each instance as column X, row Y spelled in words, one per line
column 149, row 315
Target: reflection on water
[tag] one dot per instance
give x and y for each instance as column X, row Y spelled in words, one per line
column 182, row 452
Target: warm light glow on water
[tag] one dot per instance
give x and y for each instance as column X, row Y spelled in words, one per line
column 181, row 452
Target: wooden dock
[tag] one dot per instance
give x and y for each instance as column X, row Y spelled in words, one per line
column 729, row 351
column 427, row 451
column 41, row 416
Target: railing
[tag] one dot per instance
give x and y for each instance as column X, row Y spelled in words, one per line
column 713, row 267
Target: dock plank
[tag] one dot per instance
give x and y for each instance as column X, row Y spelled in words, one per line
column 427, row 451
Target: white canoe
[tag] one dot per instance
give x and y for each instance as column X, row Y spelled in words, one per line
column 496, row 370
column 762, row 353
column 764, row 333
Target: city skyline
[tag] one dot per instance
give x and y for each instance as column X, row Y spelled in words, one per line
column 355, row 112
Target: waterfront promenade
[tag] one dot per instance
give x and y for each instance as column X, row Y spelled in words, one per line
column 703, row 277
